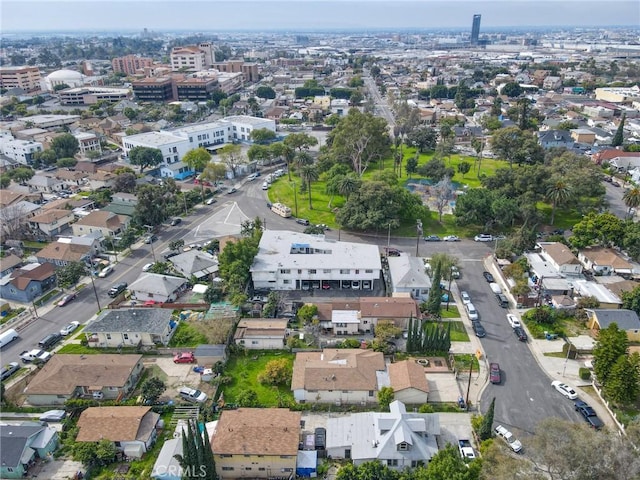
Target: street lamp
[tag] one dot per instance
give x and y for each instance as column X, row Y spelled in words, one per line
column 149, row 231
column 389, row 239
column 449, row 291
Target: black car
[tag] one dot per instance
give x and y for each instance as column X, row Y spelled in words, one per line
column 175, row 221
column 479, row 329
column 302, row 221
column 432, row 238
column 488, row 277
column 589, row 414
column 117, row 289
column 520, row 333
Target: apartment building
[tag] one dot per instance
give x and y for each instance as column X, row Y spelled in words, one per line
column 248, row 70
column 192, row 58
column 130, row 64
column 19, row 150
column 92, row 95
column 154, row 89
column 27, row 78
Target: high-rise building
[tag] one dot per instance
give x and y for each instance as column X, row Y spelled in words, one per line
column 475, row 29
column 130, row 64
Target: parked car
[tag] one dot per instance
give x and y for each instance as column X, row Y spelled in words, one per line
column 106, row 271
column 184, row 357
column 150, row 239
column 302, row 221
column 49, row 341
column 520, row 333
column 232, row 190
column 488, row 277
column 175, row 221
column 479, row 329
column 66, row 299
column 117, row 289
column 451, row 238
column 252, row 177
column 8, row 370
column 494, row 373
column 147, row 267
column 483, row 237
column 53, row 416
column 192, row 395
column 465, row 297
column 472, row 312
column 513, row 321
column 325, row 285
column 564, row 389
column 508, row 437
column 69, row 328
column 211, row 201
column 432, row 238
column 589, row 414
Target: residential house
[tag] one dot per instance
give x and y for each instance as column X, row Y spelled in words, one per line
column 583, row 135
column 409, row 382
column 73, row 179
column 338, row 376
column 626, row 320
column 65, row 377
column 107, row 223
column 397, row 439
column 195, row 263
column 22, row 444
column 341, row 317
column 132, row 327
column 256, row 443
column 62, row 253
column 261, row 333
column 618, row 158
column 88, row 142
column 51, row 222
column 397, row 310
column 407, row 274
column 45, row 183
column 28, row 283
column 132, row 429
column 466, row 134
column 606, row 298
column 8, row 264
column 551, row 83
column 561, row 258
column 157, row 288
column 555, row 139
column 605, row 261
column 123, row 204
column 101, row 179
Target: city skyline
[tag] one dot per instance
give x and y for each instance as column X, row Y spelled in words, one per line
column 309, row 15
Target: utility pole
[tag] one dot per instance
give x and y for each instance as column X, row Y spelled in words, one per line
column 419, row 234
column 469, row 384
column 389, row 239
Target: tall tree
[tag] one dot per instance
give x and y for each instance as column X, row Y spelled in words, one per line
column 486, row 427
column 612, row 344
column 262, row 135
column 516, row 145
column 434, row 301
column 213, row 172
column 478, row 145
column 144, row 157
column 623, row 381
column 618, row 138
column 558, row 193
column 197, row 159
column 631, row 199
column 349, row 184
column 65, row 145
column 300, row 141
column 309, row 174
column 231, row 156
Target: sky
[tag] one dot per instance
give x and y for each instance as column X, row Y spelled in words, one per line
column 300, row 15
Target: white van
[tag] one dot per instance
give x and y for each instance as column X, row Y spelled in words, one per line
column 471, row 310
column 8, row 337
column 495, row 288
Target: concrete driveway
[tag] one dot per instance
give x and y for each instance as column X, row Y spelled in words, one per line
column 179, row 374
column 55, row 469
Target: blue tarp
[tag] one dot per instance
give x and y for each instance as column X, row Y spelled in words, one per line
column 306, row 463
column 183, row 175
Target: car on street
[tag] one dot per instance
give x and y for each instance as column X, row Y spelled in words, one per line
column 232, row 190
column 8, row 370
column 513, row 320
column 479, row 329
column 488, row 277
column 252, row 177
column 564, row 389
column 211, row 201
column 117, row 289
column 150, row 239
column 494, row 373
column 175, row 221
column 302, row 221
column 589, row 414
column 432, row 238
column 53, row 416
column 147, row 267
column 106, row 271
column 483, row 237
column 465, row 297
column 508, row 437
column 451, row 238
column 472, row 312
column 184, row 357
column 615, row 183
column 69, row 328
column 66, row 299
column 520, row 333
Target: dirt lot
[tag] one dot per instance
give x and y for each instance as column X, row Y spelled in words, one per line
column 175, row 376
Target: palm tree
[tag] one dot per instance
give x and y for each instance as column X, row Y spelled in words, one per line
column 631, row 199
column 558, row 193
column 309, row 173
column 303, row 158
column 289, row 153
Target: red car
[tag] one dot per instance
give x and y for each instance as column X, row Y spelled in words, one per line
column 494, row 373
column 184, row 357
column 66, row 299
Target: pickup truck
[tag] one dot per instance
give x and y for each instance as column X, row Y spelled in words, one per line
column 35, row 354
column 508, row 437
column 589, row 414
column 466, row 450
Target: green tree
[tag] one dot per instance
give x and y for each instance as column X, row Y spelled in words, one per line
column 516, row 145
column 623, row 381
column 448, row 465
column 434, row 301
column 125, row 182
column 5, row 180
column 307, row 312
column 567, row 125
column 511, row 89
column 152, row 388
column 300, row 141
column 309, row 174
column 618, row 138
column 197, row 159
column 65, row 145
column 411, row 166
column 558, row 193
column 423, row 138
column 349, row 184
column 66, row 162
column 265, row 91
column 144, row 157
column 276, row 372
column 612, row 343
column 262, row 135
column 151, row 206
column 463, row 168
column 231, row 156
column 373, row 470
column 631, row 199
column 385, row 397
column 197, row 459
column 486, row 427
column 21, row 174
column 247, row 398
column 70, row 274
column 597, row 229
column 435, row 169
column 214, row 172
column 130, row 113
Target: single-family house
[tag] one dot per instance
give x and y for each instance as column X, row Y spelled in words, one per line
column 71, row 178
column 599, row 291
column 551, row 83
column 28, row 282
column 51, row 222
column 131, row 327
column 45, row 183
column 627, row 320
column 407, row 274
column 338, row 376
column 157, row 288
column 555, row 139
column 583, row 135
column 101, row 179
column 560, row 257
column 256, row 443
column 397, row 439
column 409, row 382
column 21, row 445
column 132, row 429
column 394, row 309
column 62, row 253
column 261, row 333
column 605, row 261
column 195, row 263
column 108, row 223
column 8, row 264
column 65, row 377
column 123, row 204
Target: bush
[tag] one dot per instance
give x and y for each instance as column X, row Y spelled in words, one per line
column 585, row 373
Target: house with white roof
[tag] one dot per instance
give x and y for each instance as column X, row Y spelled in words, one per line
column 408, row 275
column 292, row 261
column 396, row 438
column 157, row 288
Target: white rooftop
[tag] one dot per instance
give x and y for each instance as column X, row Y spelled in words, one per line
column 154, row 138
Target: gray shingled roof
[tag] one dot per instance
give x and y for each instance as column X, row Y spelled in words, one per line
column 150, row 320
column 625, row 319
column 13, row 439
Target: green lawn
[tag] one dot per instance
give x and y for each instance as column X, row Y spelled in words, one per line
column 78, row 349
column 458, row 333
column 243, row 369
column 451, row 313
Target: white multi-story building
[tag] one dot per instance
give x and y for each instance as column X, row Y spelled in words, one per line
column 19, row 150
column 191, row 58
column 173, row 148
column 243, row 125
column 88, row 142
column 294, row 261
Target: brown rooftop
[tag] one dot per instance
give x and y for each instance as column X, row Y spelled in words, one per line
column 605, row 256
column 260, row 327
column 407, row 374
column 68, row 252
column 22, row 277
column 51, row 216
column 560, row 253
column 390, row 307
column 261, row 431
column 117, row 424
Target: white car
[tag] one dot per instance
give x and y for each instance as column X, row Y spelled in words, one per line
column 252, row 177
column 513, row 443
column 105, row 271
column 147, row 267
column 483, row 237
column 564, row 389
column 465, row 298
column 513, row 320
column 451, row 238
column 69, row 328
column 53, row 416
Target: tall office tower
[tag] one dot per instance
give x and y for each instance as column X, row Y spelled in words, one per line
column 475, row 29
